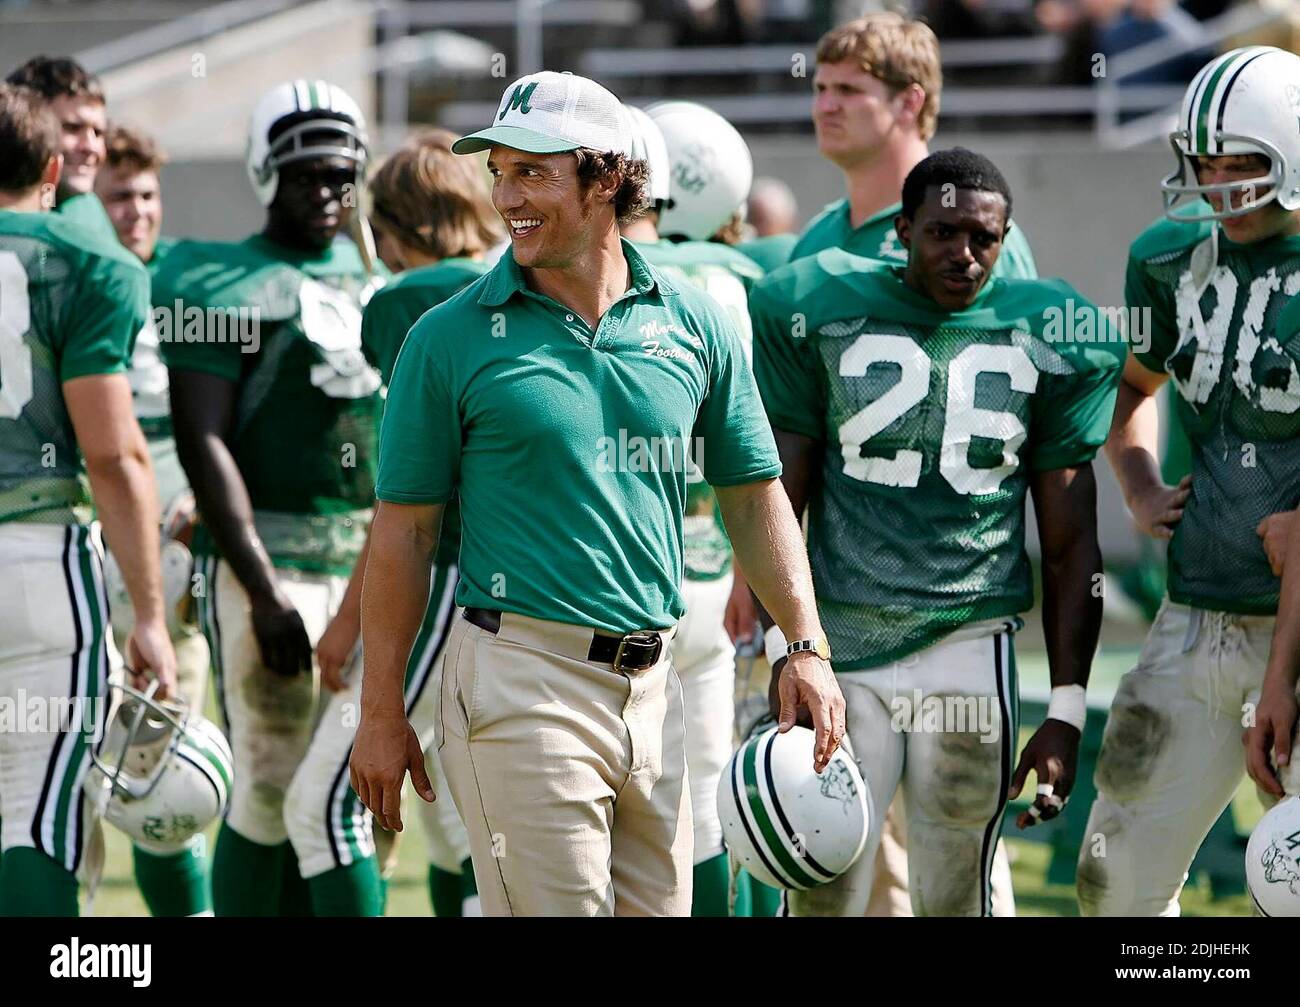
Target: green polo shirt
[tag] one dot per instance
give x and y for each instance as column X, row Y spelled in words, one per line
column 875, row 238
column 567, row 445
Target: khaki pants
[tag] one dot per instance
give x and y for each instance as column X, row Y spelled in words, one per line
column 570, row 776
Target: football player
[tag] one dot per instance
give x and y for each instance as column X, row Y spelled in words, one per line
column 78, row 102
column 275, row 411
column 174, row 883
column 876, row 93
column 875, row 106
column 1218, row 280
column 915, row 408
column 70, row 307
column 434, row 226
column 703, row 652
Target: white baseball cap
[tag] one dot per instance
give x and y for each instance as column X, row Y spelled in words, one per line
column 548, row 113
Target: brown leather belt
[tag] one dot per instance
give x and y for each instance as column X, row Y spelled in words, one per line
column 633, row 652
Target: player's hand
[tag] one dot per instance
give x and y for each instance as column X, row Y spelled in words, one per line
column 281, row 635
column 385, row 749
column 807, row 681
column 336, row 648
column 1053, row 755
column 741, row 618
column 1274, row 727
column 1160, row 508
column 149, row 655
column 1274, row 530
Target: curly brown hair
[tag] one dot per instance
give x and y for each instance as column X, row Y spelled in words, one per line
column 632, row 199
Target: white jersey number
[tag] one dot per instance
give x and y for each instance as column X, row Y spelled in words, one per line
column 15, row 354
column 962, row 418
column 1211, row 337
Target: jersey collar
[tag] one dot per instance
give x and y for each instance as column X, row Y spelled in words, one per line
column 507, row 279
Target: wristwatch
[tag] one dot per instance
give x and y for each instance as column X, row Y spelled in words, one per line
column 818, row 646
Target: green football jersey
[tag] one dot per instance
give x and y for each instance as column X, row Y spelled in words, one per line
column 1225, row 325
column 727, row 276
column 931, row 424
column 384, row 325
column 771, row 252
column 876, row 238
column 87, row 211
column 70, row 306
column 285, row 326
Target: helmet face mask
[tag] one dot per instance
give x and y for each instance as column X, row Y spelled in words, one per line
column 1183, row 183
column 293, row 145
column 162, row 774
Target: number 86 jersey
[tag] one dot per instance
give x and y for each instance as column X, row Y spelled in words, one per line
column 931, row 423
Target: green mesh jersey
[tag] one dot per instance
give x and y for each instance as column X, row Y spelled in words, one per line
column 384, row 324
column 771, row 252
column 70, row 306
column 1225, row 325
column 86, row 210
column 931, row 425
column 284, row 326
column 727, row 276
column 876, row 239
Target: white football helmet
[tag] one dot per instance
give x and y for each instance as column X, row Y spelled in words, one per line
column 711, row 169
column 788, row 826
column 339, row 115
column 1244, row 102
column 161, row 774
column 1273, row 860
column 648, row 145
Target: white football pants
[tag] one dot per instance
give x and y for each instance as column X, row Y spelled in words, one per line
column 942, row 724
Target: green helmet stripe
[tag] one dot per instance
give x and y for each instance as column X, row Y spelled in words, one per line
column 1207, row 99
column 763, row 820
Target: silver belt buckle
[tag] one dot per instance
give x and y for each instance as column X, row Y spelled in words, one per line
column 639, row 637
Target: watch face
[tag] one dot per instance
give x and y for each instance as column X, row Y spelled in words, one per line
column 823, row 649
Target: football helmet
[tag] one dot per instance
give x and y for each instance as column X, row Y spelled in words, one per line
column 790, row 827
column 648, row 145
column 161, row 774
column 1244, row 102
column 1273, row 860
column 711, row 169
column 337, row 115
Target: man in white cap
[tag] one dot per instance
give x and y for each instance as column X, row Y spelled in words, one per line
column 557, row 396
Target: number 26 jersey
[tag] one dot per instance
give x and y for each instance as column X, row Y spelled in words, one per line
column 931, row 423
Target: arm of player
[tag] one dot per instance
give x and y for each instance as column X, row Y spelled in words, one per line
column 338, row 643
column 403, row 538
column 126, row 498
column 799, row 456
column 202, row 417
column 1275, row 718
column 769, row 547
column 1133, row 449
column 1065, row 502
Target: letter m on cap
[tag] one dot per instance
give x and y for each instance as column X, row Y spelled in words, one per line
column 519, row 100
